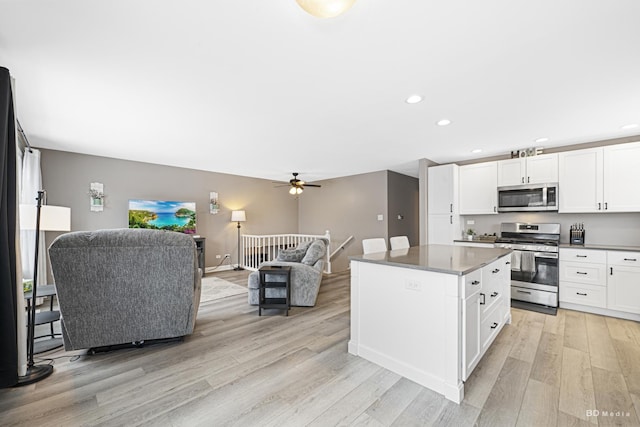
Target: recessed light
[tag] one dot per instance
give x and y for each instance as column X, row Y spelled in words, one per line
column 630, row 126
column 542, row 139
column 414, row 99
column 477, row 150
column 444, row 122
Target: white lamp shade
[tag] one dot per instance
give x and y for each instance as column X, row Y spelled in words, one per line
column 52, row 218
column 325, row 8
column 238, row 216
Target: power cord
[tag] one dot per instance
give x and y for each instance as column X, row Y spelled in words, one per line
column 221, row 262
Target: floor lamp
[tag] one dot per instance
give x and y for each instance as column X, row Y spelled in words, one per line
column 39, row 218
column 238, row 216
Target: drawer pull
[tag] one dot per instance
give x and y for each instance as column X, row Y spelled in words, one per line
column 483, row 302
column 475, row 282
column 524, row 292
column 496, row 271
column 581, row 256
column 580, row 293
column 631, row 259
column 580, row 272
column 495, row 325
column 495, row 294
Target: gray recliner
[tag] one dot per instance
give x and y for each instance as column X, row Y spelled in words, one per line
column 306, row 262
column 125, row 285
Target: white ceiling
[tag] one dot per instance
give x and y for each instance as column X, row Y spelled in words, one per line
column 260, row 88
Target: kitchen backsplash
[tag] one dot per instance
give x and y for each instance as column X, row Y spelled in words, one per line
column 606, row 229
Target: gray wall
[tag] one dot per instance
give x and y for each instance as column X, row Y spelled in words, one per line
column 67, row 176
column 346, row 206
column 403, row 200
column 600, row 228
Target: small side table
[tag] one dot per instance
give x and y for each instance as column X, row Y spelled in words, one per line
column 54, row 341
column 269, row 302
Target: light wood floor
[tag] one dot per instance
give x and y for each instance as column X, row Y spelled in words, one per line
column 241, row 369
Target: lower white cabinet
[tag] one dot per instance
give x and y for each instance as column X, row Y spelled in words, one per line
column 485, row 310
column 623, row 285
column 608, row 280
column 471, row 336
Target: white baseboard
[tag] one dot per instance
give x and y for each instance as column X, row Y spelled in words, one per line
column 220, row 268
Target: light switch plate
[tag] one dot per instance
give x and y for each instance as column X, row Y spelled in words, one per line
column 380, row 217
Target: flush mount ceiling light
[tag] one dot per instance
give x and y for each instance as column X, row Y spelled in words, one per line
column 630, row 126
column 542, row 140
column 325, row 8
column 444, row 122
column 413, row 99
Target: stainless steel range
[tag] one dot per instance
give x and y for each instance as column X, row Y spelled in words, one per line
column 534, row 264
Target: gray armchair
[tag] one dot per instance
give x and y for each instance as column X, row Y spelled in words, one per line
column 124, row 286
column 306, row 262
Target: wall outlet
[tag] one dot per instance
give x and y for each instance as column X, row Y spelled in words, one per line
column 471, row 222
column 218, row 256
column 412, row 285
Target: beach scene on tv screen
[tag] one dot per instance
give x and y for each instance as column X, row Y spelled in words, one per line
column 163, row 215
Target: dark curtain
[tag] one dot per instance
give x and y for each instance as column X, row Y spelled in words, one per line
column 8, row 308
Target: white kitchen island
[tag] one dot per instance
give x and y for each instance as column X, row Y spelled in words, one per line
column 430, row 312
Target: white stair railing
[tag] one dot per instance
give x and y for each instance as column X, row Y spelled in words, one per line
column 257, row 249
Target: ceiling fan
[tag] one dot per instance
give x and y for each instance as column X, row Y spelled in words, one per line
column 297, row 185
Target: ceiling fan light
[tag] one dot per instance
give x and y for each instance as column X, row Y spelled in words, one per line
column 325, row 8
column 298, row 190
column 292, row 190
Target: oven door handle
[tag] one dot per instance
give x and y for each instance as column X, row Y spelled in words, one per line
column 551, row 255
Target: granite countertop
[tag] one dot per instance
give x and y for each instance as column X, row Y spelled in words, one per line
column 602, row 247
column 449, row 259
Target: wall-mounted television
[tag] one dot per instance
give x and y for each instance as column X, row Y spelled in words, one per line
column 163, row 215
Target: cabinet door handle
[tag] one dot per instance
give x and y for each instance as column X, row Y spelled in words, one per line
column 495, row 325
column 581, row 256
column 450, row 219
column 523, row 179
column 475, row 282
column 528, row 179
column 580, row 272
column 580, row 293
column 610, row 271
column 496, row 271
column 606, row 206
column 495, row 209
column 508, row 262
column 482, row 301
column 493, row 295
column 599, row 206
column 631, row 259
column 524, row 292
column 451, row 207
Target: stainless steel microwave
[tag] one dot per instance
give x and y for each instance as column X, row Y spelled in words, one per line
column 532, row 197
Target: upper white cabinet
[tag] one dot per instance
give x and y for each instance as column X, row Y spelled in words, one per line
column 479, row 188
column 622, row 177
column 540, row 169
column 602, row 179
column 580, row 180
column 442, row 195
column 443, row 219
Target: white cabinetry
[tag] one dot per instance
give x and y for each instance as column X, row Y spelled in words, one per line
column 622, row 178
column 603, row 282
column 486, row 309
column 623, row 287
column 479, row 188
column 472, row 285
column 583, row 277
column 600, row 179
column 540, row 169
column 443, row 219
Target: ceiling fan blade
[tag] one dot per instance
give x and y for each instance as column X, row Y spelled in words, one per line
column 312, row 185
